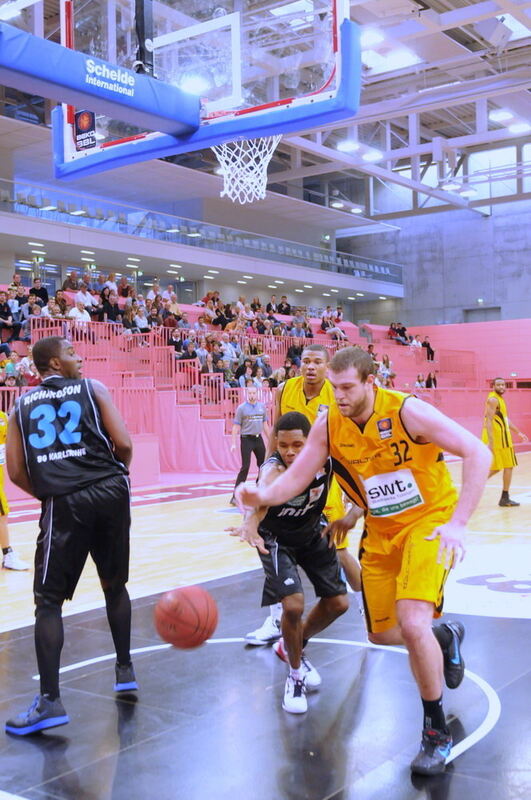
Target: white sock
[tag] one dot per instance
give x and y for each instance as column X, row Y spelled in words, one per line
column 296, row 674
column 276, row 612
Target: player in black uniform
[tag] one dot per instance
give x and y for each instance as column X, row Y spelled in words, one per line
column 291, row 535
column 68, row 446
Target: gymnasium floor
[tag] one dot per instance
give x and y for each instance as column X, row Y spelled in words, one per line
column 208, row 724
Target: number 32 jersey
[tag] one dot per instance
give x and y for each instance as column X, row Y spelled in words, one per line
column 382, row 469
column 65, row 444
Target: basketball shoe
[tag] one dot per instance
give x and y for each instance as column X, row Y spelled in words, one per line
column 43, row 713
column 12, row 561
column 450, row 635
column 267, row 633
column 125, row 678
column 312, row 679
column 434, row 750
column 294, row 700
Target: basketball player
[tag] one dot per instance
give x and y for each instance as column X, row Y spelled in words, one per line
column 10, row 560
column 496, row 433
column 250, row 421
column 387, row 453
column 291, row 535
column 68, row 446
column 311, row 393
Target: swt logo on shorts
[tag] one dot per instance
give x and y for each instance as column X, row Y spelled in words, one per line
column 392, row 493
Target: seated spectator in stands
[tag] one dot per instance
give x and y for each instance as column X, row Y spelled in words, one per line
column 272, row 307
column 297, row 330
column 253, row 329
column 51, row 310
column 209, row 312
column 60, row 301
column 228, row 375
column 402, row 334
column 189, row 351
column 227, row 347
column 200, row 326
column 13, row 303
column 298, row 317
column 241, row 370
column 21, row 296
column 247, row 375
column 174, row 307
column 111, row 283
column 248, row 313
column 430, row 353
column 128, row 320
column 288, row 363
column 25, row 329
column 154, row 318
column 26, row 310
column 308, row 333
column 6, row 319
column 217, row 355
column 104, row 295
column 71, row 282
column 255, row 346
column 84, row 296
column 385, row 372
column 124, row 287
column 88, row 281
column 240, row 304
column 16, row 282
column 40, row 290
column 183, row 322
column 168, row 291
column 338, row 316
column 154, row 292
column 265, row 363
column 291, row 373
column 370, row 350
column 284, row 307
column 431, row 381
column 279, row 375
column 28, row 371
column 327, row 326
column 420, row 383
column 234, row 340
column 140, row 320
column 258, row 376
column 111, row 309
column 295, row 352
column 416, row 343
column 99, row 285
column 256, row 305
column 221, row 317
column 79, row 312
column 170, row 321
column 202, row 351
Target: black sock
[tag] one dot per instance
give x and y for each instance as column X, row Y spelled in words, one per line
column 504, row 495
column 304, row 643
column 434, row 715
column 443, row 635
column 6, row 550
column 118, row 607
column 49, row 639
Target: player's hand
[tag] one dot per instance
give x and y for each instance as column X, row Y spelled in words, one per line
column 247, row 495
column 523, row 436
column 336, row 531
column 451, row 544
column 249, row 535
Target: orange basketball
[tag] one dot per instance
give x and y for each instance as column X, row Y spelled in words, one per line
column 186, row 617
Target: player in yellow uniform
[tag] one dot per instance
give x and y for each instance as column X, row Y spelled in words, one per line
column 310, row 394
column 496, row 433
column 387, row 453
column 10, row 559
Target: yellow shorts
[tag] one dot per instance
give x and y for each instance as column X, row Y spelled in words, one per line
column 335, row 508
column 403, row 567
column 503, row 458
column 4, row 505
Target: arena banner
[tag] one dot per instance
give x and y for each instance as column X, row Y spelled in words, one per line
column 40, row 67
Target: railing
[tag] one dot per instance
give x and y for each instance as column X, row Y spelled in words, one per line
column 50, row 203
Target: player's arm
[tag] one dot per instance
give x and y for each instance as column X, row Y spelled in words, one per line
column 425, row 423
column 113, row 423
column 490, row 413
column 276, row 415
column 518, row 432
column 15, row 457
column 248, row 530
column 296, row 478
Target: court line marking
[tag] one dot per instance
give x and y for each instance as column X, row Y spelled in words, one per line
column 8, row 796
column 493, row 701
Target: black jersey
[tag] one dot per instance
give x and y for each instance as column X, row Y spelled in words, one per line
column 292, row 523
column 65, row 444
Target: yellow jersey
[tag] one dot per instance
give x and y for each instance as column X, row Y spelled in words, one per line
column 3, row 438
column 382, row 469
column 501, row 433
column 294, row 399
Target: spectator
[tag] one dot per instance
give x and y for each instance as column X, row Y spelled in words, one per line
column 52, row 310
column 71, row 282
column 27, row 369
column 40, row 290
column 228, row 375
column 25, row 329
column 100, row 283
column 79, row 312
column 89, row 283
column 6, row 318
column 327, row 326
column 256, row 305
column 209, row 313
column 202, row 351
column 431, row 381
column 13, row 303
column 258, row 376
column 84, row 296
column 284, row 307
column 247, row 375
column 295, row 352
column 16, row 282
column 370, row 350
column 430, row 353
column 27, row 309
column 104, row 295
column 154, row 291
column 124, row 288
column 240, row 304
column 111, row 310
column 141, row 320
column 217, row 355
column 111, row 283
column 189, row 351
column 338, row 317
column 21, row 296
column 169, row 321
column 420, row 383
column 183, row 322
column 416, row 343
column 60, row 301
column 264, row 362
column 168, row 292
column 128, row 320
column 174, row 307
column 154, row 318
column 201, row 326
column 227, row 348
column 272, row 307
column 247, row 363
column 297, row 331
column 385, row 372
column 328, row 313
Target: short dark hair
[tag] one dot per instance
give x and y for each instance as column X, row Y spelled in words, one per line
column 46, row 349
column 317, row 348
column 353, row 357
column 293, row 421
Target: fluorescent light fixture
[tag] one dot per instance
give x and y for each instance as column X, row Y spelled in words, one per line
column 326, row 237
column 372, row 155
column 468, row 191
column 209, row 277
column 334, row 290
column 307, row 285
column 51, row 265
column 300, row 290
column 188, row 290
column 79, row 213
column 48, row 208
column 23, row 261
column 381, row 297
column 237, row 281
column 250, row 277
column 36, row 244
column 39, row 252
column 25, row 269
column 325, row 294
column 193, row 235
column 350, row 297
column 177, row 266
column 500, row 115
column 147, row 284
column 360, row 294
column 172, row 271
column 90, row 260
column 451, row 185
column 88, row 252
column 348, row 146
column 371, row 37
column 271, row 286
column 215, row 271
column 172, row 230
column 337, row 204
column 480, row 300
column 132, row 258
column 519, row 127
column 356, row 210
column 279, row 281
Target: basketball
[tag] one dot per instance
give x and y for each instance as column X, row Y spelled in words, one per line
column 186, row 617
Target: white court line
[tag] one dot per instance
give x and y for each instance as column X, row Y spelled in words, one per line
column 8, row 796
column 493, row 701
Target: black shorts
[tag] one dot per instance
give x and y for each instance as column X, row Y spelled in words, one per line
column 319, row 562
column 94, row 520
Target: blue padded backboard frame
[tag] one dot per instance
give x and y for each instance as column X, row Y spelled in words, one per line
column 340, row 107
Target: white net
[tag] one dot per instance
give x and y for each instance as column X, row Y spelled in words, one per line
column 244, row 166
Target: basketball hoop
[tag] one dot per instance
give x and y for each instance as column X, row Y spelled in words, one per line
column 244, row 166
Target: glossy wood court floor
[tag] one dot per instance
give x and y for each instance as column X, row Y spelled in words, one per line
column 208, row 724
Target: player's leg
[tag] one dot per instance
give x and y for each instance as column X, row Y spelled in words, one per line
column 351, row 568
column 10, row 559
column 292, row 611
column 505, row 500
column 246, row 448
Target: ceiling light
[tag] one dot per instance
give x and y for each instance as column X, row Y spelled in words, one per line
column 132, row 258
column 350, row 297
column 334, row 290
column 381, row 297
column 519, row 127
column 39, row 252
column 193, row 235
column 451, row 185
column 25, row 269
column 214, row 271
column 237, row 281
column 360, row 294
column 307, row 286
column 325, row 294
column 188, row 290
column 79, row 213
column 23, row 261
column 147, row 284
column 372, row 155
column 178, row 266
column 500, row 115
column 356, row 210
column 209, row 277
column 88, row 252
column 48, row 208
column 36, row 244
column 300, row 290
column 248, row 276
column 371, row 37
column 348, row 146
column 337, row 204
column 172, row 230
column 51, row 265
column 279, row 281
column 480, row 300
column 271, row 286
column 172, row 271
column 90, row 260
